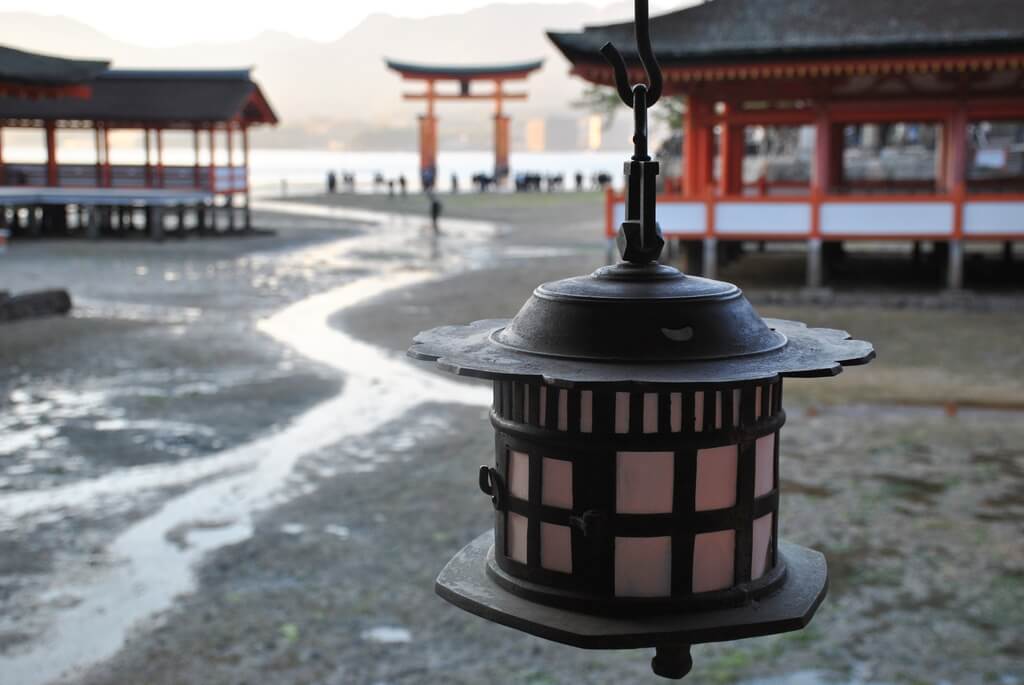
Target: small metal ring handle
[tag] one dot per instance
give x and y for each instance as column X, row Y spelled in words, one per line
column 491, row 483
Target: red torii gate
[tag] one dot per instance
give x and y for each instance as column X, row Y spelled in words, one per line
column 464, row 76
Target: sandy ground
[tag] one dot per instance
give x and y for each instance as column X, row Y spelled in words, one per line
column 329, row 579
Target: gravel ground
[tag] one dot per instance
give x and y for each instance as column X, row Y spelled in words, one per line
column 918, row 512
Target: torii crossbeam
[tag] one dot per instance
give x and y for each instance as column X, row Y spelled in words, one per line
column 464, row 76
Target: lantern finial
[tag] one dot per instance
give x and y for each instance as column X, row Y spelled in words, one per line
column 639, row 237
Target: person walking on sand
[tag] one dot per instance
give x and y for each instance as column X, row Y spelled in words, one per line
column 435, row 213
column 403, row 184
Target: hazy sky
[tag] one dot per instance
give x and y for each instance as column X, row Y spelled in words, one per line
column 182, row 21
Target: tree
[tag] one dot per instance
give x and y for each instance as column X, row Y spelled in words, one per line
column 600, row 100
column 604, row 101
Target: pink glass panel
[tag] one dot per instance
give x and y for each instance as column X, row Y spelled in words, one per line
column 764, row 465
column 644, row 482
column 519, row 475
column 713, row 560
column 542, row 409
column 556, row 479
column 587, row 411
column 526, row 403
column 515, row 537
column 716, row 477
column 718, row 409
column 622, row 412
column 643, row 567
column 762, row 544
column 698, row 410
column 757, row 402
column 555, row 547
column 675, row 403
column 563, row 410
column 650, row 412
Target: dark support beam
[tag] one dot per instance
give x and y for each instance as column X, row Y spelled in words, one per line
column 245, row 165
column 51, row 154
column 3, row 171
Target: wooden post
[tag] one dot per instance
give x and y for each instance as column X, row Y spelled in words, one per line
column 99, row 154
column 836, row 152
column 108, row 175
column 501, row 133
column 245, row 167
column 730, row 154
column 159, row 157
column 147, row 171
column 51, row 154
column 956, row 176
column 196, row 176
column 3, row 171
column 229, row 198
column 428, row 139
column 213, row 180
column 821, row 183
column 690, row 186
column 821, row 172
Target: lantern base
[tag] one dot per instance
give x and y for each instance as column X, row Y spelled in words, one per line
column 465, row 583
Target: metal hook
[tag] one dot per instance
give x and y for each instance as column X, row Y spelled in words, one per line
column 645, row 50
column 639, row 238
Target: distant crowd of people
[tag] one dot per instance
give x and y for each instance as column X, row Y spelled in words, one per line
column 481, row 182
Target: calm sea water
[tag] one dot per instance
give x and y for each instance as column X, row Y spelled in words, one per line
column 306, row 170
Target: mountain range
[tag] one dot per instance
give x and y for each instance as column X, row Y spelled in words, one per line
column 344, row 84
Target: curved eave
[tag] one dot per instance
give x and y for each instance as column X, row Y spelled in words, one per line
column 586, row 46
column 462, row 73
column 257, row 109
column 749, row 66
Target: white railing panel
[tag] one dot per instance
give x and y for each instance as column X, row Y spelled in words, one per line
column 767, row 218
column 675, row 218
column 994, row 218
column 887, row 218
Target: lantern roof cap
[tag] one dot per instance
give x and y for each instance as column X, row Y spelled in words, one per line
column 644, row 324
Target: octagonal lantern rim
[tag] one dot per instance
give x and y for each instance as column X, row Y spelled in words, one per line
column 471, row 350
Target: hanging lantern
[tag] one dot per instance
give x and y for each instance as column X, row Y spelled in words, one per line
column 637, row 413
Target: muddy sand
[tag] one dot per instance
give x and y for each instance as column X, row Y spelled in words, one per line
column 223, row 470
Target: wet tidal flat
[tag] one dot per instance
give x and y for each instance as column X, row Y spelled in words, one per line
column 331, row 478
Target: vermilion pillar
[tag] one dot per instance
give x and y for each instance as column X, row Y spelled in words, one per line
column 730, row 179
column 696, row 147
column 836, row 162
column 956, row 179
column 501, row 146
column 821, row 176
column 51, row 154
column 955, row 134
column 428, row 146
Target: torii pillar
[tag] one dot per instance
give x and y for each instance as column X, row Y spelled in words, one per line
column 463, row 76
